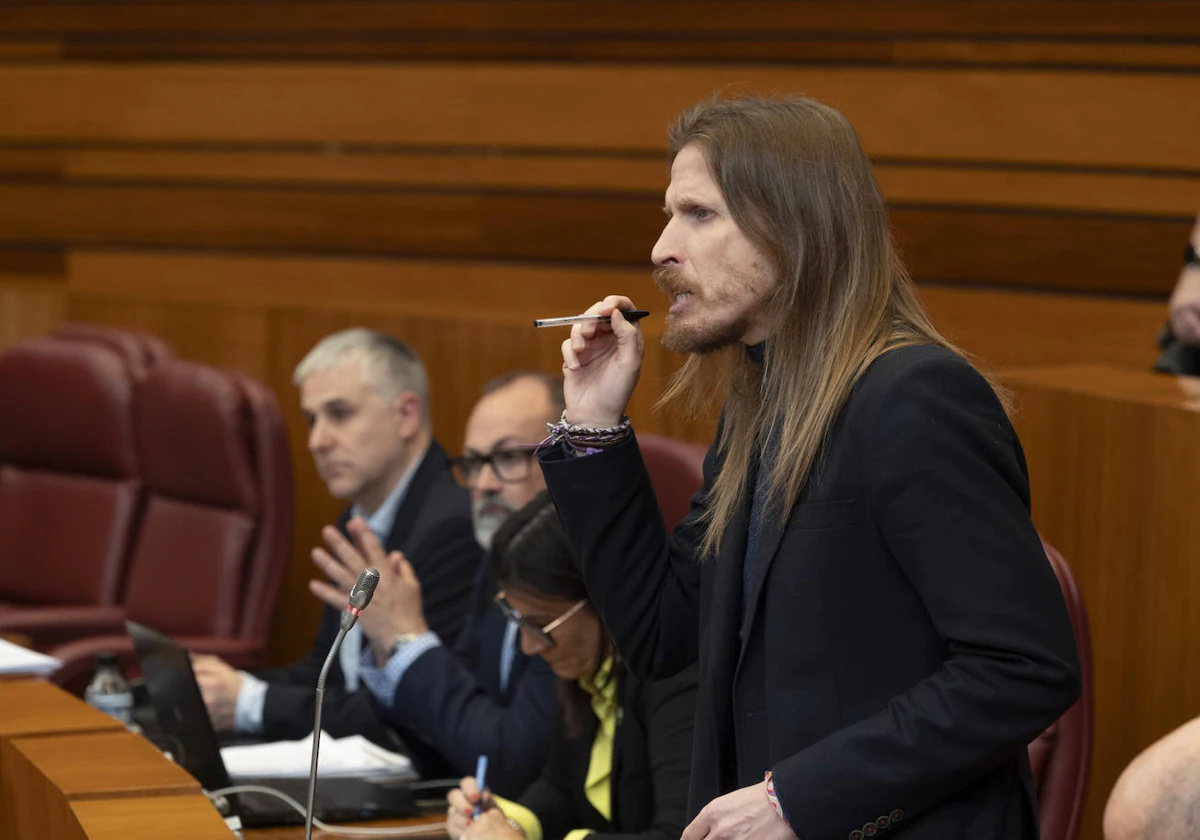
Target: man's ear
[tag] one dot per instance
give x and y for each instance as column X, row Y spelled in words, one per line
column 407, row 406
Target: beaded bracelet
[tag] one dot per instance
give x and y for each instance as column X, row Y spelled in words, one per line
column 773, row 798
column 588, row 440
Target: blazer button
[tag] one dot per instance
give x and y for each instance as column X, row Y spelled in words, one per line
column 869, row 830
column 883, row 822
column 896, row 815
column 856, row 835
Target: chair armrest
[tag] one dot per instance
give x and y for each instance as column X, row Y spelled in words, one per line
column 49, row 627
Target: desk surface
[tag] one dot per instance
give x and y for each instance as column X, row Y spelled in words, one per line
column 1129, row 385
column 434, row 824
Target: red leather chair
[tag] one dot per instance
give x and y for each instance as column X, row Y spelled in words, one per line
column 140, row 351
column 1061, row 757
column 676, row 472
column 216, row 532
column 69, row 487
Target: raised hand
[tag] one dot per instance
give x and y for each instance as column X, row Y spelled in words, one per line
column 601, row 365
column 396, row 606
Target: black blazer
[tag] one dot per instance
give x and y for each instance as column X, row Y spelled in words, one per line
column 652, row 754
column 904, row 636
column 433, row 528
column 450, row 707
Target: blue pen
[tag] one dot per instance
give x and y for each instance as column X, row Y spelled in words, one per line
column 480, row 782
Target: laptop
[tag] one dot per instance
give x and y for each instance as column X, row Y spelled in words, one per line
column 188, row 734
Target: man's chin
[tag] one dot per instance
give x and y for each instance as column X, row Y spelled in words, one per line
column 692, row 341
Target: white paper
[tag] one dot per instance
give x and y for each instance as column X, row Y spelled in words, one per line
column 353, row 756
column 15, row 659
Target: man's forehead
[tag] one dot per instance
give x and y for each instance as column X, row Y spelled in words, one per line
column 691, row 181
column 512, row 412
column 341, row 382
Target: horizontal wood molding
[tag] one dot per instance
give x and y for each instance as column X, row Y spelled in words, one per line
column 963, row 185
column 1006, row 328
column 1028, row 117
column 376, row 46
column 989, row 18
column 949, row 244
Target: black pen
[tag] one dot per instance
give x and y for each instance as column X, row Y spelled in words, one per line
column 631, row 315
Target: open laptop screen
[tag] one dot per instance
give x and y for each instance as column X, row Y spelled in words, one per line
column 187, row 730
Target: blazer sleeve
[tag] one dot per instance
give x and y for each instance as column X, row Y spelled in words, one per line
column 304, row 672
column 669, row 707
column 442, row 702
column 550, row 796
column 948, row 490
column 644, row 582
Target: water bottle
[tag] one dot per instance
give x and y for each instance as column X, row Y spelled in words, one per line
column 108, row 691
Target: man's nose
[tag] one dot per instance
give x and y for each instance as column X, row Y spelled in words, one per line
column 486, row 480
column 318, row 436
column 667, row 250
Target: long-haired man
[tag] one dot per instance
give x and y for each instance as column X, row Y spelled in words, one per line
column 878, row 630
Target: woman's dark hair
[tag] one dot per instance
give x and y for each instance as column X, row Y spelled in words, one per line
column 532, row 555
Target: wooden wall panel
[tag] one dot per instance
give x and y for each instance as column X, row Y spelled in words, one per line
column 1028, row 117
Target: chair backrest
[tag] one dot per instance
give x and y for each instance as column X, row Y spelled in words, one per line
column 140, row 351
column 195, row 438
column 69, row 487
column 676, row 472
column 1061, row 757
column 273, row 546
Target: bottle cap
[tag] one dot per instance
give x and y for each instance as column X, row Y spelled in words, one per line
column 108, row 660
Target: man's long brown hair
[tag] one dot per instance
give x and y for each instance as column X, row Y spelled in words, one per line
column 798, row 184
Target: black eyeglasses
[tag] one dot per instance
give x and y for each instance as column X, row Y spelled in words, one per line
column 510, row 463
column 542, row 634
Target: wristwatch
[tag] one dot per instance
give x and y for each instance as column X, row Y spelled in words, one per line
column 402, row 641
column 1191, row 256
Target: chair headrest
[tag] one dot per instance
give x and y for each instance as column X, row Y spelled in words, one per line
column 67, row 407
column 194, row 435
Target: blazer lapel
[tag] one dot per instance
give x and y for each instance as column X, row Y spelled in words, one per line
column 433, row 463
column 769, row 538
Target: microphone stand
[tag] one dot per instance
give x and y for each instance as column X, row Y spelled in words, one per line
column 348, row 619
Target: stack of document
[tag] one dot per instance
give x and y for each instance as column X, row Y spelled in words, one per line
column 16, row 660
column 353, row 756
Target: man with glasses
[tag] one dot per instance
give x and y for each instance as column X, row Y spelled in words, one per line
column 484, row 696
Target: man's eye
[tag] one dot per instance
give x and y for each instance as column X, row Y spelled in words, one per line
column 701, row 213
column 508, row 457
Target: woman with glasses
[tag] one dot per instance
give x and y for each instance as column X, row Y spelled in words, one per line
column 619, row 763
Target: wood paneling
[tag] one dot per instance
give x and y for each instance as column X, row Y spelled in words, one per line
column 1009, row 247
column 1027, row 117
column 1112, row 458
column 968, row 186
column 989, row 18
column 190, row 817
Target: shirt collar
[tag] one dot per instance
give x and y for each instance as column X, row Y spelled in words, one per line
column 382, row 520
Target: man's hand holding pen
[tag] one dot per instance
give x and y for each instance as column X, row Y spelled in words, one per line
column 601, row 365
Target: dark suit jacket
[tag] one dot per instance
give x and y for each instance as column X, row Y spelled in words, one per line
column 652, row 754
column 433, row 529
column 905, row 636
column 450, row 707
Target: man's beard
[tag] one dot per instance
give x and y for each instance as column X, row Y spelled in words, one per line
column 487, row 515
column 697, row 340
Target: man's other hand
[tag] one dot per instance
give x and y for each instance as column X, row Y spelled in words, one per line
column 395, row 609
column 219, row 685
column 743, row 813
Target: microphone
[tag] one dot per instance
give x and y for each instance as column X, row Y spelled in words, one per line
column 360, row 596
